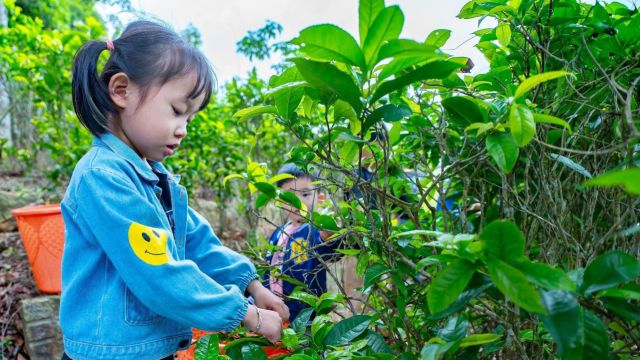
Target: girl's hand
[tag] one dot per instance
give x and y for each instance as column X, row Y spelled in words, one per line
column 268, row 323
column 265, row 299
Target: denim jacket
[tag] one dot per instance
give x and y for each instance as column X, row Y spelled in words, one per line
column 132, row 287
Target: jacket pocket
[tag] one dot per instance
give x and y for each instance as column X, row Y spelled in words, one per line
column 135, row 312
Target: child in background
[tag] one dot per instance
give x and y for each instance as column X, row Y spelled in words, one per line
column 301, row 245
column 140, row 267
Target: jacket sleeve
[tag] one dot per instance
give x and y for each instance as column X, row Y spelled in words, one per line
column 124, row 224
column 222, row 264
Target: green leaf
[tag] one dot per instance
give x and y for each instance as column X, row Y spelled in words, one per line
column 438, row 69
column 328, row 302
column 368, row 10
column 299, row 324
column 325, row 76
column 503, row 33
column 348, row 152
column 609, row 270
column 346, row 136
column 287, row 100
column 562, row 319
column 324, row 222
column 549, row 119
column 405, row 48
column 231, row 177
column 207, row 347
column 570, row 164
column 332, row 43
column 253, row 352
column 628, row 178
column 396, row 66
column 377, row 343
column 320, row 327
column 300, row 357
column 479, row 339
column 266, row 189
column 514, row 284
column 463, row 110
column 386, row 26
column 290, row 338
column 622, row 308
column 438, row 37
column 395, row 133
column 455, row 329
column 503, row 149
column 290, row 198
column 373, row 274
column 536, row 80
column 619, row 293
column 342, row 110
column 545, row 276
column 481, row 127
column 262, row 200
column 254, row 111
column 523, row 127
column 593, row 342
column 304, row 297
column 434, row 351
column 387, row 112
column 347, row 330
column 283, row 87
column 449, row 284
column 279, row 177
column 460, row 302
column 503, row 241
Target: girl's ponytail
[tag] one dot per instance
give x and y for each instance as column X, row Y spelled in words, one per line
column 90, row 92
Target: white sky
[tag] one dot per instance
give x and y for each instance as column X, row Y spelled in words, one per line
column 222, row 23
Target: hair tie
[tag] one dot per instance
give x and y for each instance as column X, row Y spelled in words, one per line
column 110, row 46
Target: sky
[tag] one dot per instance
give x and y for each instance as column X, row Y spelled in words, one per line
column 222, row 23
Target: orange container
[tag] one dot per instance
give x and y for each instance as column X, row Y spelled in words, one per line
column 42, row 232
column 272, row 351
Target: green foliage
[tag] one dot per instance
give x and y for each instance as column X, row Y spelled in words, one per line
column 35, row 58
column 512, row 141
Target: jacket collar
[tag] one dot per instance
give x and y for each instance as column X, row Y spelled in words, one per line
column 124, row 151
column 143, row 168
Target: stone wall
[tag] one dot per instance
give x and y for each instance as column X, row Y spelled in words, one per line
column 41, row 327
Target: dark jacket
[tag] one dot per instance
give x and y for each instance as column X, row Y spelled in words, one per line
column 301, row 262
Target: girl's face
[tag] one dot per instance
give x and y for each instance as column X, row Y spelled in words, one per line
column 306, row 193
column 153, row 126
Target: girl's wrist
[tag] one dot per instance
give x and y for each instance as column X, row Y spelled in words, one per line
column 253, row 319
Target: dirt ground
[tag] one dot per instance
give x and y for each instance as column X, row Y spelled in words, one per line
column 16, row 283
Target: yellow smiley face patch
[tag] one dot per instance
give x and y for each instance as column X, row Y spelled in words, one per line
column 149, row 244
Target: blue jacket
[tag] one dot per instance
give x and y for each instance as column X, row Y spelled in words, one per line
column 300, row 262
column 131, row 287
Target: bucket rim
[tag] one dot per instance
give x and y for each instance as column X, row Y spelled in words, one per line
column 44, row 209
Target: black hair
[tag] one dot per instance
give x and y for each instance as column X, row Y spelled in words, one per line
column 150, row 54
column 295, row 171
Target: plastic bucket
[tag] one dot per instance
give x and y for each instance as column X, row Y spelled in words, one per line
column 42, row 232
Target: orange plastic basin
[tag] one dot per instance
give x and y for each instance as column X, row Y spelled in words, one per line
column 272, row 351
column 42, row 232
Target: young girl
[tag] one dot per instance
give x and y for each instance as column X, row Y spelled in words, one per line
column 304, row 250
column 140, row 267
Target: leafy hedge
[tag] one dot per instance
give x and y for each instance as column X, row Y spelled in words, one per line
column 522, row 142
